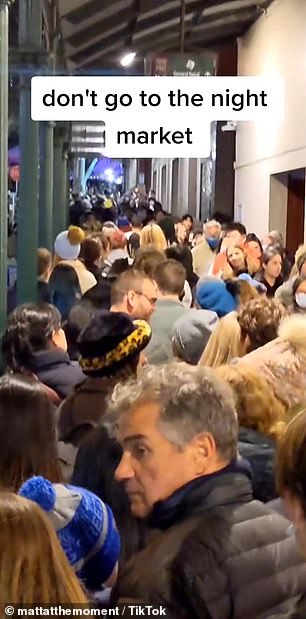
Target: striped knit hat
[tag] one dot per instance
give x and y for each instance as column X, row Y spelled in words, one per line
column 85, row 527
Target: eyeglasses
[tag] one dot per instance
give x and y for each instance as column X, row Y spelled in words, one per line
column 151, row 300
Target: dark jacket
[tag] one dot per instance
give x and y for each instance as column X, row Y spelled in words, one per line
column 218, row 555
column 78, row 416
column 54, row 369
column 271, row 290
column 43, row 292
column 82, row 411
column 259, row 451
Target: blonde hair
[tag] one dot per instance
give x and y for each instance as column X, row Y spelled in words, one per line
column 224, row 342
column 34, row 568
column 256, row 405
column 153, row 236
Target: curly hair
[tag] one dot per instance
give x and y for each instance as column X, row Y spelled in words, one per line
column 259, row 320
column 256, row 405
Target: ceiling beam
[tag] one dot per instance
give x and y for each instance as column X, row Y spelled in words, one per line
column 100, row 47
column 139, row 29
column 86, row 11
column 98, row 30
column 91, row 32
column 210, row 39
column 133, row 23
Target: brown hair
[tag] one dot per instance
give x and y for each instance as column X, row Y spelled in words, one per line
column 91, row 252
column 103, row 240
column 27, row 432
column 256, row 405
column 34, row 568
column 131, row 279
column 246, row 292
column 291, row 459
column 170, row 277
column 259, row 320
column 44, row 261
column 147, row 259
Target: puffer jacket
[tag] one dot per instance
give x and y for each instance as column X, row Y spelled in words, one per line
column 299, row 611
column 218, row 555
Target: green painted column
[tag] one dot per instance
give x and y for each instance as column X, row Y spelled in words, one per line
column 60, row 208
column 45, row 217
column 4, row 26
column 30, row 29
column 79, row 173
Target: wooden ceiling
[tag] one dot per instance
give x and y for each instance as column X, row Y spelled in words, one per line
column 96, row 33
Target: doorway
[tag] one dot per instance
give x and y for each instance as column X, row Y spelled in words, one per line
column 287, row 207
column 295, row 210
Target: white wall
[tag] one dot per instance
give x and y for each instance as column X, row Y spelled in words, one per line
column 183, row 187
column 132, row 173
column 275, row 45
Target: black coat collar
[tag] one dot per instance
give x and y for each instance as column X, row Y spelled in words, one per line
column 228, row 486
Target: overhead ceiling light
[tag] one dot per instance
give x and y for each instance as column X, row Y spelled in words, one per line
column 127, row 59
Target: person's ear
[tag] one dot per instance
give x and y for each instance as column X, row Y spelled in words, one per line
column 59, row 339
column 204, row 450
column 131, row 298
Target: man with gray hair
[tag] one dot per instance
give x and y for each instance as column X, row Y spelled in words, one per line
column 178, row 429
column 204, row 253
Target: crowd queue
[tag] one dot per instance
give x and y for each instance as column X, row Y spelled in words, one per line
column 153, row 420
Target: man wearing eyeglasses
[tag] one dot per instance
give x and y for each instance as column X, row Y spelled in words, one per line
column 134, row 294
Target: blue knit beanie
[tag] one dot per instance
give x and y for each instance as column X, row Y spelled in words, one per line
column 84, row 525
column 213, row 295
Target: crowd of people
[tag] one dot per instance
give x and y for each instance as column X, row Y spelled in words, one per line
column 153, row 419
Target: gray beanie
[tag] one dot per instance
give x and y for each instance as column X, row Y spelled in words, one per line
column 191, row 333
